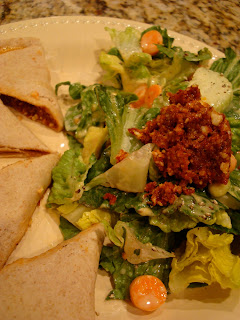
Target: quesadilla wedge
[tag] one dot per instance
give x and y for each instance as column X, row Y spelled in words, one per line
column 16, row 140
column 22, row 185
column 58, row 284
column 25, row 81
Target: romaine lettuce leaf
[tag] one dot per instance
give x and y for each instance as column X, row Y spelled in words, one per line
column 100, row 166
column 67, row 177
column 120, row 117
column 136, row 68
column 68, row 229
column 235, row 184
column 85, row 114
column 207, row 259
column 127, row 41
column 189, row 210
column 125, row 201
column 75, row 89
column 230, row 68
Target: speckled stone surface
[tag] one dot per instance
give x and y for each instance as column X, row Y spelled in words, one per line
column 214, row 22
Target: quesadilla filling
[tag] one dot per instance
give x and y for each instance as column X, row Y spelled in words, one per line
column 32, row 112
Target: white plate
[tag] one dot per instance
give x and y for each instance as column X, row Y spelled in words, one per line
column 72, row 45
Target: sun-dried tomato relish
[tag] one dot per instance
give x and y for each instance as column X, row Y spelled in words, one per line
column 193, row 141
column 165, row 193
column 121, row 155
column 111, row 197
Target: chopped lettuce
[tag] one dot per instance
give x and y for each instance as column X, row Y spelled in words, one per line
column 235, row 184
column 100, row 166
column 188, row 210
column 230, row 68
column 91, row 217
column 89, row 186
column 207, row 259
column 125, row 201
column 170, row 68
column 67, row 177
column 85, row 114
column 127, row 41
column 120, row 117
column 68, row 229
column 75, row 89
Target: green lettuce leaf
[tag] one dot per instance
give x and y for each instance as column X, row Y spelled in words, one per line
column 120, row 117
column 75, row 89
column 125, row 201
column 127, row 41
column 100, row 166
column 230, row 68
column 235, row 184
column 68, row 229
column 189, row 210
column 67, row 177
column 85, row 114
column 207, row 259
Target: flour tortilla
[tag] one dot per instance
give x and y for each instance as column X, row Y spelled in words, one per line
column 16, row 140
column 25, row 81
column 59, row 284
column 22, row 185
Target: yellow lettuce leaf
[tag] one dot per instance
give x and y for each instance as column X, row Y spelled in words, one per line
column 207, row 259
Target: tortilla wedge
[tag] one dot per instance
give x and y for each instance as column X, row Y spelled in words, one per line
column 25, row 81
column 16, row 140
column 22, row 185
column 59, row 284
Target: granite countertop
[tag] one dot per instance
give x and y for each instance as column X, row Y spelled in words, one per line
column 211, row 21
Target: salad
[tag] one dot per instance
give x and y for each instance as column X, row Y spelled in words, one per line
column 154, row 156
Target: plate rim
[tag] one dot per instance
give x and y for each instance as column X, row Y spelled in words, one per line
column 99, row 20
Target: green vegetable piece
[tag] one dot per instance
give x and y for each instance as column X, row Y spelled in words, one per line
column 215, row 89
column 67, row 178
column 68, row 230
column 207, row 259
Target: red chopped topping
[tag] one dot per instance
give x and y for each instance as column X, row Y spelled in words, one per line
column 193, row 140
column 121, row 155
column 111, row 197
column 193, row 144
column 165, row 193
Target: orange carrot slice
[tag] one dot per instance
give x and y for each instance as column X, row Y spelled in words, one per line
column 149, row 41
